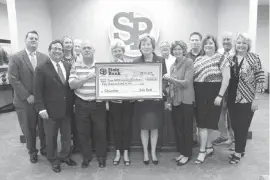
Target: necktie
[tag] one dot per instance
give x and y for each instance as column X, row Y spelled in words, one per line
column 33, row 60
column 60, row 73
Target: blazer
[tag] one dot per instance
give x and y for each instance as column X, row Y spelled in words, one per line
column 251, row 77
column 21, row 75
column 50, row 93
column 182, row 93
column 156, row 59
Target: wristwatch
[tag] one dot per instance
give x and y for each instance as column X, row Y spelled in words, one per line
column 220, row 96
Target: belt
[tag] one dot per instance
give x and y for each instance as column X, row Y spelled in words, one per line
column 89, row 101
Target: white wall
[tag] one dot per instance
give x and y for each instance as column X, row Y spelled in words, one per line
column 262, row 43
column 34, row 15
column 90, row 19
column 233, row 16
column 4, row 29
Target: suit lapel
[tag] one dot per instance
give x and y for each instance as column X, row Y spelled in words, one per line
column 27, row 61
column 38, row 58
column 53, row 71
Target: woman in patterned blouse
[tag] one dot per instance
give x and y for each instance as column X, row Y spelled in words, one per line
column 247, row 77
column 211, row 78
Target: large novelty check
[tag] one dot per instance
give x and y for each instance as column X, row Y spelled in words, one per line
column 120, row 81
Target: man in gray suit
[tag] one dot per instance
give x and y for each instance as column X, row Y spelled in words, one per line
column 21, row 76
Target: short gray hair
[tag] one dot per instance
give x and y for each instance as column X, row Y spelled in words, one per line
column 164, row 44
column 118, row 43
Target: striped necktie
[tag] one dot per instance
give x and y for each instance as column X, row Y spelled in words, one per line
column 60, row 73
column 33, row 60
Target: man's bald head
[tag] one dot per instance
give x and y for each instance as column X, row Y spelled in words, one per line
column 87, row 49
column 227, row 41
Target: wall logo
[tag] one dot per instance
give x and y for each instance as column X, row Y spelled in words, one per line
column 129, row 27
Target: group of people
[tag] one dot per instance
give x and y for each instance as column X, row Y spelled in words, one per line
column 201, row 87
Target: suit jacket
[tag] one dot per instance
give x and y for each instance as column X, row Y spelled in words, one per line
column 50, row 93
column 156, row 59
column 21, row 75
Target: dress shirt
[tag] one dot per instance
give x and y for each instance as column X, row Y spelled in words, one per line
column 30, row 55
column 61, row 66
column 169, row 61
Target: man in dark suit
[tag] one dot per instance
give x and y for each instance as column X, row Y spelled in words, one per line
column 54, row 104
column 21, row 76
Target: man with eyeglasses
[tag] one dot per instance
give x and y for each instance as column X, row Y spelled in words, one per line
column 21, row 76
column 54, row 102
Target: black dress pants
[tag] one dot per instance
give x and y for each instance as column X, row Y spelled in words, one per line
column 182, row 117
column 240, row 116
column 32, row 122
column 91, row 115
column 121, row 115
column 52, row 126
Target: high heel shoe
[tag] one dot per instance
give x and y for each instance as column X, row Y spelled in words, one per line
column 198, row 161
column 116, row 162
column 176, row 160
column 155, row 162
column 209, row 151
column 127, row 163
column 179, row 163
column 235, row 159
column 231, row 155
column 146, row 162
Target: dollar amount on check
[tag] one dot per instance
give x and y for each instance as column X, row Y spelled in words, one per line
column 119, row 81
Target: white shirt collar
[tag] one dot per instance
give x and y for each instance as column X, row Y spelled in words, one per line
column 28, row 53
column 54, row 63
column 222, row 50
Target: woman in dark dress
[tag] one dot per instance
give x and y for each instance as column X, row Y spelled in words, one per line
column 247, row 78
column 211, row 78
column 121, row 113
column 150, row 113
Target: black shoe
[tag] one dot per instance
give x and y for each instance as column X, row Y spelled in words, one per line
column 76, row 150
column 234, row 159
column 155, row 162
column 85, row 164
column 179, row 163
column 43, row 153
column 242, row 155
column 69, row 162
column 146, row 162
column 56, row 168
column 22, row 139
column 102, row 163
column 33, row 158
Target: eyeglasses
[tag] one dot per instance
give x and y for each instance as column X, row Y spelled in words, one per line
column 57, row 49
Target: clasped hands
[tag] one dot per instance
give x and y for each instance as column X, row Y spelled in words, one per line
column 167, row 77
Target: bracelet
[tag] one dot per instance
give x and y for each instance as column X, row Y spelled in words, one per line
column 220, row 96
